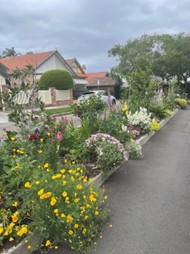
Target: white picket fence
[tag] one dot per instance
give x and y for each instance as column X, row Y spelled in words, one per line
column 45, row 96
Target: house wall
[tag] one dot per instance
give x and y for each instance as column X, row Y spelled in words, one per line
column 53, row 63
column 2, row 81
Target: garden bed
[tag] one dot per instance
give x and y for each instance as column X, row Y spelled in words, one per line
column 21, row 248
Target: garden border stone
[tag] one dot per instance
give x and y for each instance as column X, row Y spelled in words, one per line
column 21, row 248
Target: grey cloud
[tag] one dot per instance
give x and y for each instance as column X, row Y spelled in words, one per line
column 86, row 29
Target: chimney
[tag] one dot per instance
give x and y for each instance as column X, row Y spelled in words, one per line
column 84, row 68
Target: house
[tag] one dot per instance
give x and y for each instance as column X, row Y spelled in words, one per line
column 82, row 83
column 42, row 62
column 3, row 76
column 103, row 81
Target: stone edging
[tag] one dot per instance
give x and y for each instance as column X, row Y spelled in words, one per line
column 21, row 248
column 146, row 137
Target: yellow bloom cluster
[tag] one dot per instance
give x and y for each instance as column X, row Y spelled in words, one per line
column 22, row 231
column 154, row 126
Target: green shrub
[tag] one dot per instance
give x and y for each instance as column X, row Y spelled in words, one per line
column 159, row 111
column 60, row 79
column 91, row 108
column 182, row 103
column 134, row 149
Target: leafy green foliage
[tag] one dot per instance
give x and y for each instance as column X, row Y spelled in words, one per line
column 60, row 79
column 91, row 107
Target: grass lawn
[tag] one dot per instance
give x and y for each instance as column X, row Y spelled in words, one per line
column 53, row 111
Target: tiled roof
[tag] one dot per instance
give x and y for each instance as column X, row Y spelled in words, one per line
column 22, row 61
column 100, row 79
column 69, row 61
column 96, row 75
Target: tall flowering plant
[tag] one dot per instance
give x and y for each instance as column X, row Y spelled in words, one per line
column 140, row 119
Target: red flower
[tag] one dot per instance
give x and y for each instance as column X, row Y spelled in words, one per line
column 34, row 136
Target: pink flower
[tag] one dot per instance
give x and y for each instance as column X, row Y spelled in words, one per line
column 59, row 136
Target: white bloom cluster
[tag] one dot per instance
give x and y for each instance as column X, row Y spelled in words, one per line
column 109, row 139
column 140, row 119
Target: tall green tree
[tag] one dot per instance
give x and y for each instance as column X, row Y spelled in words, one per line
column 166, row 56
column 9, row 52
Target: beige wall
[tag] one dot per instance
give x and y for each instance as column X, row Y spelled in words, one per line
column 53, row 63
column 2, row 81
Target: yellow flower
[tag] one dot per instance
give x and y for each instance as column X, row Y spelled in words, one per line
column 70, row 171
column 29, row 247
column 12, row 138
column 73, row 163
column 62, row 171
column 17, row 166
column 96, row 213
column 27, row 185
column 71, row 232
column 1, row 230
column 64, row 182
column 45, row 195
column 49, row 134
column 76, row 225
column 87, row 205
column 154, row 126
column 22, row 231
column 106, row 197
column 84, row 180
column 84, row 230
column 56, row 211
column 125, row 107
column 64, row 194
column 48, row 243
column 72, row 179
column 40, row 151
column 15, row 217
column 62, row 215
column 69, row 219
column 11, row 239
column 57, row 176
column 86, row 217
column 40, row 192
column 76, row 200
column 53, row 201
column 46, row 165
column 79, row 187
column 15, row 204
column 37, row 182
column 41, row 140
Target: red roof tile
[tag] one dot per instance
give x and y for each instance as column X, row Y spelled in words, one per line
column 96, row 75
column 69, row 61
column 22, row 61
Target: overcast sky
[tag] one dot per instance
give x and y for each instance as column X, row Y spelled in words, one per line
column 87, row 29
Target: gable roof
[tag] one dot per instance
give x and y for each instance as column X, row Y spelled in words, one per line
column 3, row 71
column 22, row 61
column 74, row 60
column 97, row 75
column 100, row 79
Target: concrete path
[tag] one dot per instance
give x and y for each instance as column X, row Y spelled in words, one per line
column 149, row 199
